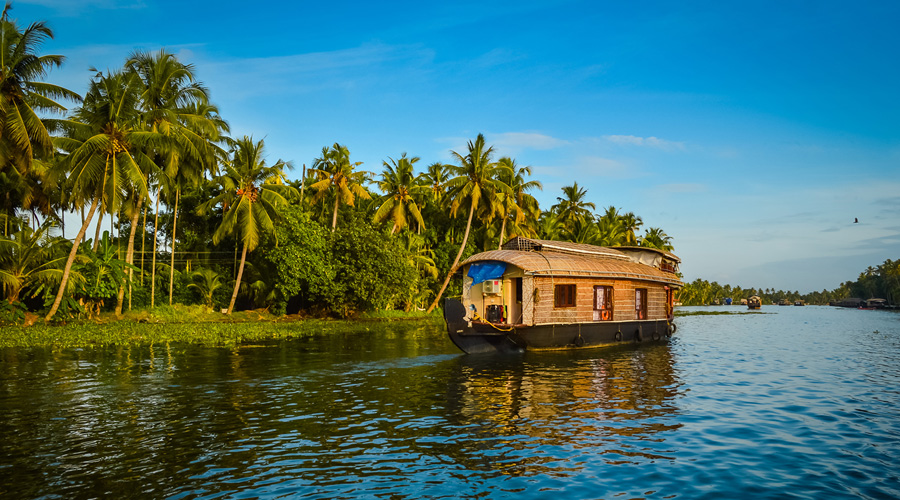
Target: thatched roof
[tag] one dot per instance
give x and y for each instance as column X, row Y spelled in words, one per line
column 550, row 263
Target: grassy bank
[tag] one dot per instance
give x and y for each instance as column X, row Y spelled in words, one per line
column 192, row 325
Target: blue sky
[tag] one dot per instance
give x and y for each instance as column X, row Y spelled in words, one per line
column 753, row 133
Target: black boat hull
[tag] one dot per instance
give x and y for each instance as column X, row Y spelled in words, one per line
column 480, row 337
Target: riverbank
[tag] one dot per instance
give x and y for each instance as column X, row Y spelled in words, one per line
column 191, row 325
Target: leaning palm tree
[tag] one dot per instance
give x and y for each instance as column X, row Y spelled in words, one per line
column 252, row 195
column 476, row 185
column 518, row 204
column 106, row 153
column 23, row 135
column 335, row 173
column 398, row 183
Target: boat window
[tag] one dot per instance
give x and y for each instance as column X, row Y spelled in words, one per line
column 564, row 296
column 640, row 303
column 603, row 303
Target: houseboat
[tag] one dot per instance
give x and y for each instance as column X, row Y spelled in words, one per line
column 754, row 302
column 541, row 294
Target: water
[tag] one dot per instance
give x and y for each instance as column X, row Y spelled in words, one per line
column 800, row 402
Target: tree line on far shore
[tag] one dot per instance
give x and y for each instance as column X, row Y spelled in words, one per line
column 882, row 282
column 184, row 214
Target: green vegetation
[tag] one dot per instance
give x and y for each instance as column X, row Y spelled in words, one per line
column 191, row 211
column 188, row 325
column 875, row 282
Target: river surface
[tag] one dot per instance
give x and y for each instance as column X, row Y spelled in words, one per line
column 792, row 402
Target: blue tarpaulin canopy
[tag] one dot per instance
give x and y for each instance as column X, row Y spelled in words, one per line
column 489, row 270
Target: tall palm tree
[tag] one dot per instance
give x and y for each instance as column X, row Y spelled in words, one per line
column 336, row 173
column 475, row 184
column 252, row 195
column 23, row 135
column 106, row 153
column 572, row 205
column 398, row 183
column 176, row 105
column 518, row 204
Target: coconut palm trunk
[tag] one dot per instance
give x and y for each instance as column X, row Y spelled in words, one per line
column 462, row 248
column 337, row 201
column 237, row 283
column 153, row 261
column 502, row 233
column 129, row 258
column 174, row 227
column 68, row 268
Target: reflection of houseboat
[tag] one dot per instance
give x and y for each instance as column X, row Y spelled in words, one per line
column 754, row 302
column 540, row 294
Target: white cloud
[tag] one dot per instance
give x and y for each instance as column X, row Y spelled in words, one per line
column 649, row 142
column 605, row 167
column 518, row 141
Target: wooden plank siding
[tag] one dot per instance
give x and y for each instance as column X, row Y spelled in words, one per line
column 623, row 299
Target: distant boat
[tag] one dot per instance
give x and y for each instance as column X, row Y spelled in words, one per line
column 754, row 302
column 853, row 302
column 874, row 304
column 799, row 303
column 784, row 302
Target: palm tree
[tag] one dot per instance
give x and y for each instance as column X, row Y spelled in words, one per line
column 435, row 178
column 657, row 238
column 398, row 183
column 252, row 194
column 572, row 206
column 206, row 281
column 632, row 223
column 609, row 232
column 176, row 106
column 335, row 173
column 518, row 204
column 23, row 135
column 476, row 184
column 107, row 153
column 28, row 259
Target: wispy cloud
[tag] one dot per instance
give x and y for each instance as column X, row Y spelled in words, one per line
column 646, row 142
column 301, row 73
column 519, row 141
column 606, row 167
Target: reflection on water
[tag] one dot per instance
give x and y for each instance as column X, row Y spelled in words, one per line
column 799, row 403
